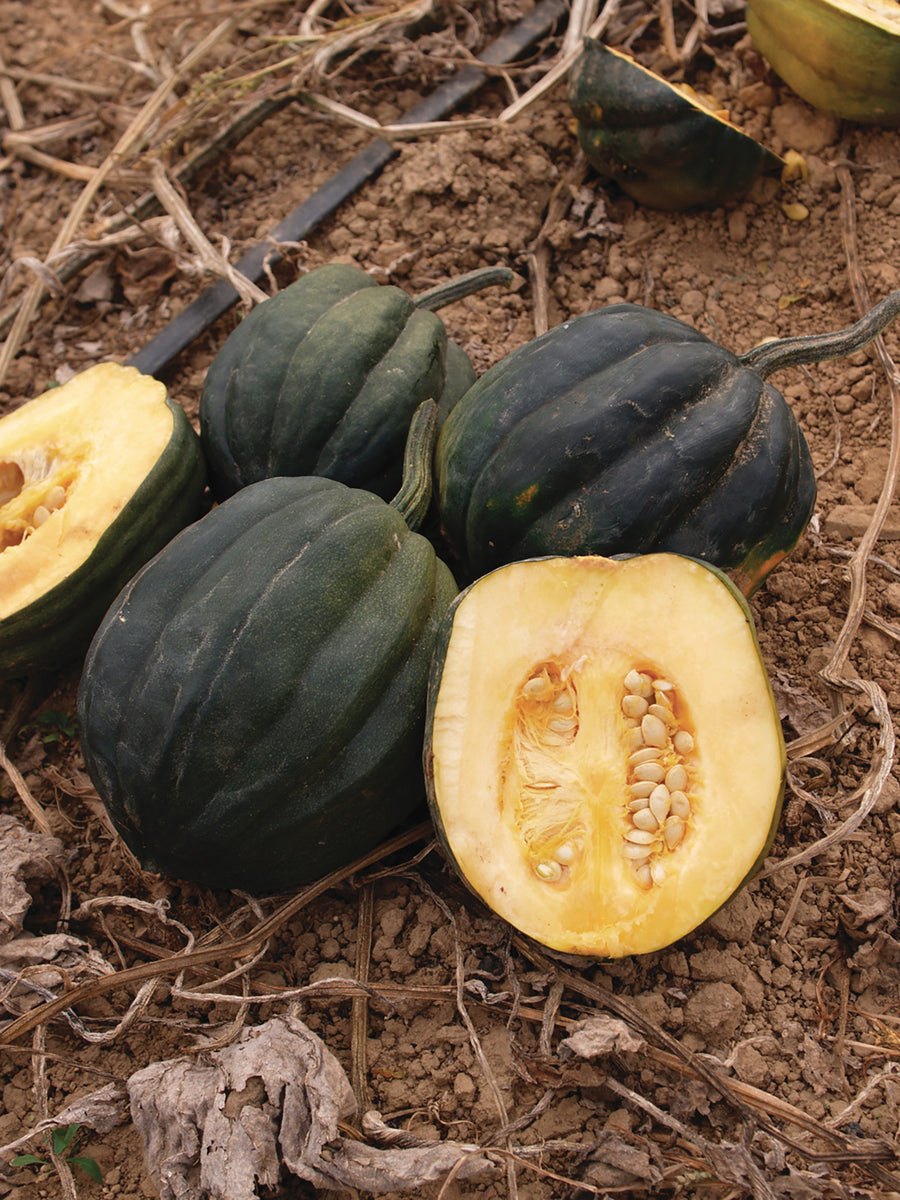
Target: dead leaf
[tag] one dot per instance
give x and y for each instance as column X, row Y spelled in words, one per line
column 616, row 1163
column 26, row 857
column 275, row 1098
column 599, row 1036
column 101, row 1111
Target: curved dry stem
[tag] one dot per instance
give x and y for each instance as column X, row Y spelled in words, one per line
column 834, row 671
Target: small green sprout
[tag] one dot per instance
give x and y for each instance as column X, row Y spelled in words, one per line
column 64, row 1142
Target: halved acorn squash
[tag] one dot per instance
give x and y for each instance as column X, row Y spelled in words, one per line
column 95, row 477
column 842, row 56
column 660, row 142
column 604, row 757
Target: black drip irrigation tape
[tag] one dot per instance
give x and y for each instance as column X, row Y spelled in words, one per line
column 212, row 303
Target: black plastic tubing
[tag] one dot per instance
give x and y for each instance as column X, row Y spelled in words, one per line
column 212, row 303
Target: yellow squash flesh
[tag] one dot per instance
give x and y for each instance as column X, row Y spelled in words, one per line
column 69, row 462
column 95, row 477
column 842, row 56
column 532, row 762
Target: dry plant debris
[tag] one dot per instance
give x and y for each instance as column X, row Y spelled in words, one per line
column 148, row 146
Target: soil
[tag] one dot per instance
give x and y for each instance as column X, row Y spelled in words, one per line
column 791, row 991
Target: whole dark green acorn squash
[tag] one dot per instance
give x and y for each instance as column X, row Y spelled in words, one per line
column 324, row 377
column 252, row 708
column 625, row 431
column 657, row 140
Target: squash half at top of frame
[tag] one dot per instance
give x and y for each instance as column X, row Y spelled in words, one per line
column 841, row 56
column 658, row 141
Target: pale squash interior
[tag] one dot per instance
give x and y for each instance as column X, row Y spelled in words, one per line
column 70, row 460
column 536, row 762
column 885, row 13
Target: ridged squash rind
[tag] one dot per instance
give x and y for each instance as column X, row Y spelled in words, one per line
column 252, row 708
column 623, row 431
column 660, row 145
column 323, row 379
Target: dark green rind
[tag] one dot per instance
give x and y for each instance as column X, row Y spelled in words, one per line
column 441, row 647
column 57, row 627
column 252, row 708
column 623, row 431
column 659, row 147
column 323, row 379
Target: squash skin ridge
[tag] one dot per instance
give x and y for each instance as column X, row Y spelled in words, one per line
column 172, row 805
column 661, row 147
column 502, row 421
column 279, row 401
column 615, row 454
column 385, row 419
column 514, row 483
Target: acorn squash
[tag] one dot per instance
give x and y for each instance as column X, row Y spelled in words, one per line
column 95, row 477
column 323, row 379
column 624, row 431
column 252, row 707
column 604, row 758
column 841, row 56
column 660, row 142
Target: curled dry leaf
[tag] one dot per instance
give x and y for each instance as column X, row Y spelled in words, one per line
column 101, row 1111
column 617, row 1163
column 599, row 1036
column 26, row 857
column 273, row 1099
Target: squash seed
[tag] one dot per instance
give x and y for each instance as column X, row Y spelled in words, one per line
column 644, row 876
column 674, row 832
column 642, row 788
column 637, row 854
column 683, row 742
column 653, row 771
column 645, row 818
column 642, row 837
column 680, row 805
column 653, row 731
column 634, row 706
column 660, row 802
column 676, row 778
column 644, row 755
column 550, row 872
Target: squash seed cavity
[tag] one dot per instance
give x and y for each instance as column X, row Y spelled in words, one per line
column 542, row 784
column 547, row 796
column 32, row 489
column 657, row 805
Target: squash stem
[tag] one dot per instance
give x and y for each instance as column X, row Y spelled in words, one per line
column 414, row 497
column 464, row 285
column 786, row 352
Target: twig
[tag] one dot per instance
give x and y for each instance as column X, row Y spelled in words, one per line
column 41, row 1092
column 10, row 98
column 35, row 810
column 359, row 1010
column 126, row 144
column 239, row 947
column 210, row 259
